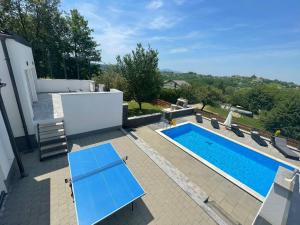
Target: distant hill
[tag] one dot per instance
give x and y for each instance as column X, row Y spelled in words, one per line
column 201, row 79
column 168, row 71
column 232, row 81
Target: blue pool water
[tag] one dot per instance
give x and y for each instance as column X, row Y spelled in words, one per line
column 255, row 170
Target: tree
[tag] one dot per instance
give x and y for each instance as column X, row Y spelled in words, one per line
column 285, row 117
column 83, row 46
column 188, row 92
column 170, row 95
column 140, row 69
column 208, row 95
column 45, row 27
column 259, row 97
column 111, row 78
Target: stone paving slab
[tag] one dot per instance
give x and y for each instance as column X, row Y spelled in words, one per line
column 192, row 190
column 227, row 196
column 44, row 198
column 48, row 107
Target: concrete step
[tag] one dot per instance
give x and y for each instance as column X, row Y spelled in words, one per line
column 53, row 153
column 44, row 125
column 53, row 133
column 50, row 128
column 54, row 146
column 53, row 139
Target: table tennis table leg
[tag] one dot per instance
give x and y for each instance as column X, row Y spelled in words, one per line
column 132, row 206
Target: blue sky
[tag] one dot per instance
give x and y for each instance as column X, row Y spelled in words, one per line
column 218, row 37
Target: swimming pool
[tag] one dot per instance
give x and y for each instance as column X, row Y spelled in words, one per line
column 247, row 168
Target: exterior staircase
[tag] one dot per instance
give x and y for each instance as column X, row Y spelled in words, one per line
column 52, row 139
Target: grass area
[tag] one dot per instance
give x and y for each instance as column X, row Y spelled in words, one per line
column 147, row 108
column 244, row 120
column 217, row 110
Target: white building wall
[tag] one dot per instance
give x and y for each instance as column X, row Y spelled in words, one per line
column 84, row 112
column 63, row 85
column 6, row 153
column 22, row 59
column 9, row 98
column 2, row 184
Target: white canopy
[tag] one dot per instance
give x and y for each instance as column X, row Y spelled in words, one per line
column 228, row 120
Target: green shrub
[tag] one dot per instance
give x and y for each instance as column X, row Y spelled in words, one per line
column 169, row 95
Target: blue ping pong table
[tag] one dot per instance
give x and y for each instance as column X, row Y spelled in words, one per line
column 101, row 183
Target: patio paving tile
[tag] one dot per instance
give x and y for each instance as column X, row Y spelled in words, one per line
column 44, row 198
column 226, row 195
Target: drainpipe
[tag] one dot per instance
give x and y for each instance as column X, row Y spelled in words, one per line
column 10, row 134
column 14, row 85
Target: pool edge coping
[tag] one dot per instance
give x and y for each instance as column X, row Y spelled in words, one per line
column 216, row 169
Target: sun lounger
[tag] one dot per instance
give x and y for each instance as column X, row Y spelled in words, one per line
column 281, row 145
column 199, row 118
column 215, row 124
column 235, row 129
column 258, row 139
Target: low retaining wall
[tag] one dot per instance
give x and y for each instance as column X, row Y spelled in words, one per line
column 179, row 113
column 136, row 121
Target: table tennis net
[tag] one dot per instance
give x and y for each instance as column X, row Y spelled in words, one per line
column 97, row 170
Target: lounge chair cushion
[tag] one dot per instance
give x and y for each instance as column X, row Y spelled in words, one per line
column 281, row 145
column 258, row 139
column 215, row 124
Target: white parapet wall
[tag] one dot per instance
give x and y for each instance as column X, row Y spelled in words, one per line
column 64, row 85
column 282, row 203
column 91, row 111
column 22, row 63
column 6, row 155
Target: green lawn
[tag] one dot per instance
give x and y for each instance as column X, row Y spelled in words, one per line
column 244, row 120
column 147, row 108
column 217, row 110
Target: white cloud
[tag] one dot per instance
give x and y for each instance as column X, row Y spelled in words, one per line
column 190, row 35
column 162, row 22
column 179, row 2
column 155, row 4
column 114, row 39
column 178, row 50
column 232, row 27
column 115, row 10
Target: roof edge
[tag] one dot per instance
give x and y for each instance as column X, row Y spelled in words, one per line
column 17, row 38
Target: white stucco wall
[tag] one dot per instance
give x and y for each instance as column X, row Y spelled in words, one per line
column 63, row 85
column 275, row 208
column 84, row 112
column 21, row 59
column 9, row 98
column 6, row 153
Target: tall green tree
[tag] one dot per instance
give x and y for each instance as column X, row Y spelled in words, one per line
column 188, row 92
column 208, row 95
column 47, row 29
column 82, row 44
column 258, row 97
column 140, row 69
column 285, row 116
column 42, row 25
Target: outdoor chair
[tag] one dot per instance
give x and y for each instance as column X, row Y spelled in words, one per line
column 235, row 129
column 215, row 124
column 199, row 118
column 258, row 139
column 281, row 145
